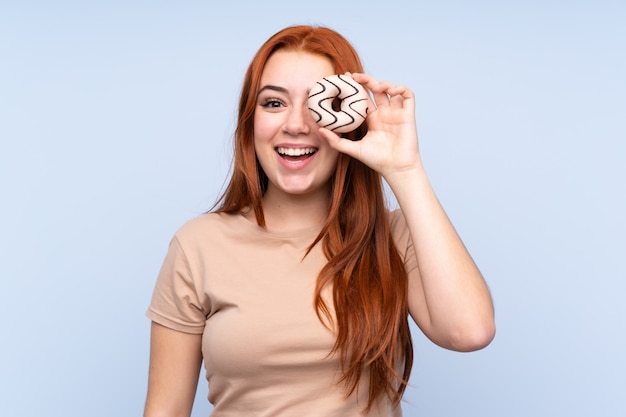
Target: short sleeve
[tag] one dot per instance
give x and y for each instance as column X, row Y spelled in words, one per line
column 176, row 300
column 402, row 238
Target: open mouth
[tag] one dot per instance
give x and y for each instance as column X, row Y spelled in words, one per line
column 295, row 154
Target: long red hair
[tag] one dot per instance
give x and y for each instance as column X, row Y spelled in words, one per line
column 364, row 268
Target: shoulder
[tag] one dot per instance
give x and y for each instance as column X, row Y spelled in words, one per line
column 394, row 216
column 215, row 231
column 205, row 239
column 207, row 225
column 397, row 223
column 400, row 232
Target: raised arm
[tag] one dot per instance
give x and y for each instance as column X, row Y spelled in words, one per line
column 448, row 299
column 175, row 361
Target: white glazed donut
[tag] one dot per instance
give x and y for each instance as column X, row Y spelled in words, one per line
column 338, row 103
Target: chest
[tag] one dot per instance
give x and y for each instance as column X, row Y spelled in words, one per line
column 262, row 319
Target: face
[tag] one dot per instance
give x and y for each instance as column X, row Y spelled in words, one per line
column 295, row 158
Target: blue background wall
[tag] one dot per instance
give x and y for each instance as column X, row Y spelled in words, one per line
column 115, row 127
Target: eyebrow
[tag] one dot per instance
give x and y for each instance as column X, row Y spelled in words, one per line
column 273, row 88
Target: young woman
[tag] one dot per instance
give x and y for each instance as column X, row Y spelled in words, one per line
column 296, row 290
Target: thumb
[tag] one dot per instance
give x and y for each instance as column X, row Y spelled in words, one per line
column 351, row 148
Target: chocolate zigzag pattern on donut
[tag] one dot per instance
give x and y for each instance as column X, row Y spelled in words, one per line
column 331, row 99
column 352, row 119
column 352, row 103
column 319, row 103
column 348, row 121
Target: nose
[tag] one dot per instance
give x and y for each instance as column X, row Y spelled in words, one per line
column 298, row 121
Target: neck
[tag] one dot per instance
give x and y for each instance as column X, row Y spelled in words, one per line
column 285, row 212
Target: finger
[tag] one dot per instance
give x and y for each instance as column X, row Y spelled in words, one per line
column 370, row 82
column 351, row 148
column 376, row 86
column 367, row 81
column 400, row 90
column 396, row 101
column 401, row 96
column 363, row 78
column 384, row 93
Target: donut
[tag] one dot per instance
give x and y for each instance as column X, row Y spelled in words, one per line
column 338, row 103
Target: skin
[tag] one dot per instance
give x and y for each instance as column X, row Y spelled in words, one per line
column 449, row 299
column 175, row 361
column 297, row 195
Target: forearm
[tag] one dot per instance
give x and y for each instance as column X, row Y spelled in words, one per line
column 451, row 300
column 448, row 299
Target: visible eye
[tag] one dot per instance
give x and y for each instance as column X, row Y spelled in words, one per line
column 272, row 103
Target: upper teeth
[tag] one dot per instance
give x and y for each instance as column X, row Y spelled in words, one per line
column 295, row 151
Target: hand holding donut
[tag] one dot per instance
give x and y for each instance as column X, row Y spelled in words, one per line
column 391, row 142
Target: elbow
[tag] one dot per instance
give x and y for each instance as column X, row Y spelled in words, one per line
column 473, row 338
column 468, row 337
